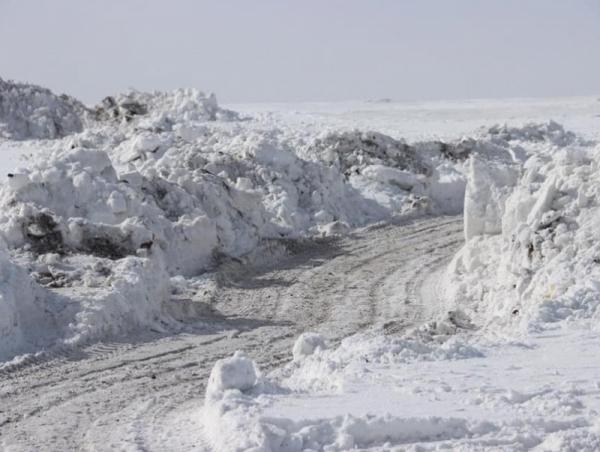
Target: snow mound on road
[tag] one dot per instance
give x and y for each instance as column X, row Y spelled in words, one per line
column 31, row 112
column 237, row 372
column 532, row 228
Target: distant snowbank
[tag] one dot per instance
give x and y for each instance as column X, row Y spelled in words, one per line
column 29, row 111
column 32, row 112
column 162, row 108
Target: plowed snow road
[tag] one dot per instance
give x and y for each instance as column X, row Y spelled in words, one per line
column 131, row 395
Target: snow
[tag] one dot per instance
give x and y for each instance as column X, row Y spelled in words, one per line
column 176, row 183
column 235, row 373
column 525, row 282
column 531, row 230
column 308, row 344
column 28, row 111
column 510, row 396
column 108, row 212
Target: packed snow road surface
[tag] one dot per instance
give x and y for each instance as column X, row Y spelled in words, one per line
column 122, row 395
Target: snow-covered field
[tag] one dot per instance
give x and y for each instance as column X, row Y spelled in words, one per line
column 149, row 237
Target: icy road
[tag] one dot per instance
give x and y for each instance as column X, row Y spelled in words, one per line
column 128, row 394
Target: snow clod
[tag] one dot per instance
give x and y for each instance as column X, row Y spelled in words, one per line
column 237, row 372
column 307, row 344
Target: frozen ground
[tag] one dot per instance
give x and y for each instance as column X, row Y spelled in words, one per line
column 147, row 238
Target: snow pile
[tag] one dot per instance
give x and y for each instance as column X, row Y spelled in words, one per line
column 317, row 368
column 74, row 202
column 21, row 309
column 31, row 112
column 532, row 228
column 550, row 132
column 94, row 301
column 507, row 401
column 161, row 110
column 397, row 175
column 245, row 412
column 230, row 411
column 113, row 300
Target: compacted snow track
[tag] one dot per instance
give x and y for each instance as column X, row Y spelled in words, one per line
column 136, row 394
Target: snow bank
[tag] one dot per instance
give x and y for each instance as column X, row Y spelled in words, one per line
column 397, row 175
column 21, row 309
column 94, row 302
column 31, row 112
column 532, row 229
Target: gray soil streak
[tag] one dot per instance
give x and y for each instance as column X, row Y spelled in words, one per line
column 130, row 389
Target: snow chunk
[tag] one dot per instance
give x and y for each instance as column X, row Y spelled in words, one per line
column 307, row 344
column 237, row 372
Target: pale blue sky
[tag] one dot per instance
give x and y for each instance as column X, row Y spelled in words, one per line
column 287, row 50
